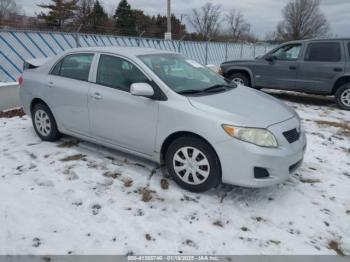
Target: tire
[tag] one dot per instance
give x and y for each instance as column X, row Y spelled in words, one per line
column 44, row 123
column 239, row 78
column 207, row 174
column 342, row 97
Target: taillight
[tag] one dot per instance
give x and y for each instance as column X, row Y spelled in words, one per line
column 20, row 81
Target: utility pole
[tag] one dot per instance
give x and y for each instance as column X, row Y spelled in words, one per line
column 167, row 35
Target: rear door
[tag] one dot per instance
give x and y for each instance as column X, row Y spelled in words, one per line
column 323, row 63
column 68, row 90
column 281, row 72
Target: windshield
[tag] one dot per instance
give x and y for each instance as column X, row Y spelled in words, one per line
column 182, row 74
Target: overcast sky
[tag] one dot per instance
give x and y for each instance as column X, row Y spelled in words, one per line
column 263, row 15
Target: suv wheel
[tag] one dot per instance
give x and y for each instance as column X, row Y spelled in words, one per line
column 342, row 97
column 44, row 123
column 193, row 164
column 239, row 79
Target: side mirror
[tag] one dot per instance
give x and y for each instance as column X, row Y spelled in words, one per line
column 270, row 58
column 141, row 89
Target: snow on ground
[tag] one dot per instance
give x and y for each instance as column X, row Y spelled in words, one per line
column 74, row 197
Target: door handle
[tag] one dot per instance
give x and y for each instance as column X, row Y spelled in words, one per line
column 96, row 96
column 292, row 67
column 338, row 69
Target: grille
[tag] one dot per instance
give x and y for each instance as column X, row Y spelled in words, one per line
column 292, row 135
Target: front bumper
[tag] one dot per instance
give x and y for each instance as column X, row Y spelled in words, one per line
column 239, row 159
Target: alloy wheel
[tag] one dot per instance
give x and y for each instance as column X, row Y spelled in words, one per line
column 345, row 97
column 238, row 81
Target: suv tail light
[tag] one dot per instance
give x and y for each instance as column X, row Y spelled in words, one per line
column 20, row 81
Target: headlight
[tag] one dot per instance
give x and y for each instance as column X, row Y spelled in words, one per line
column 258, row 136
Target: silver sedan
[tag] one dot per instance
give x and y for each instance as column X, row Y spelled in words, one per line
column 167, row 108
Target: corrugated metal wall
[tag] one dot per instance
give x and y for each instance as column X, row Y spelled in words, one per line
column 17, row 46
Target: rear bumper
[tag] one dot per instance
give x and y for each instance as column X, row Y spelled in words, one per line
column 240, row 160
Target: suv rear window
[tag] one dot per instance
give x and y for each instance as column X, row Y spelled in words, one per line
column 323, row 52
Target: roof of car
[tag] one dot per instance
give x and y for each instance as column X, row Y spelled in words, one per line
column 121, row 50
column 319, row 40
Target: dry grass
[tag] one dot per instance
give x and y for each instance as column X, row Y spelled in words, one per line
column 73, row 157
column 128, row 182
column 218, row 223
column 113, row 175
column 334, row 245
column 146, row 194
column 344, row 126
column 68, row 144
column 164, row 184
column 148, row 237
column 12, row 113
column 309, row 180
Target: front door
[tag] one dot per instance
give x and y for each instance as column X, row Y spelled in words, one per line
column 281, row 71
column 117, row 116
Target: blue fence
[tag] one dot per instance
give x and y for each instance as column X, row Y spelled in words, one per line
column 17, row 46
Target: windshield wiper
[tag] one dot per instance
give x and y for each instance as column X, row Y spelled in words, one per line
column 217, row 88
column 189, row 92
column 211, row 89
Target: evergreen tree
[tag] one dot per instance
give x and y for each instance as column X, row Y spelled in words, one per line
column 98, row 18
column 159, row 26
column 124, row 18
column 59, row 12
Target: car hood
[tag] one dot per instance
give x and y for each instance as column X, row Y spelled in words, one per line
column 238, row 62
column 244, row 106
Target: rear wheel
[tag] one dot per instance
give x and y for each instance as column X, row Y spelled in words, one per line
column 44, row 123
column 239, row 79
column 193, row 164
column 342, row 97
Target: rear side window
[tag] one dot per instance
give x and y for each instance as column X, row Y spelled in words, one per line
column 75, row 66
column 118, row 73
column 323, row 52
column 56, row 70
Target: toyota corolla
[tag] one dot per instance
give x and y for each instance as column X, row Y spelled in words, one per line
column 167, row 108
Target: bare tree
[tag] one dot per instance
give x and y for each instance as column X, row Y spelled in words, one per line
column 206, row 19
column 83, row 12
column 8, row 8
column 303, row 19
column 238, row 27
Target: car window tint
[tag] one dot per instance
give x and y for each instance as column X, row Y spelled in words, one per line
column 288, row 52
column 323, row 52
column 118, row 73
column 76, row 66
column 349, row 48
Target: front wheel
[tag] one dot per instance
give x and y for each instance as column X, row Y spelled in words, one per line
column 342, row 97
column 193, row 164
column 239, row 79
column 44, row 123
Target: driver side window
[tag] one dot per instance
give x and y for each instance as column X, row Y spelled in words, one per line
column 118, row 73
column 287, row 53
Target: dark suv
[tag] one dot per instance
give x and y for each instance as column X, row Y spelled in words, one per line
column 310, row 66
